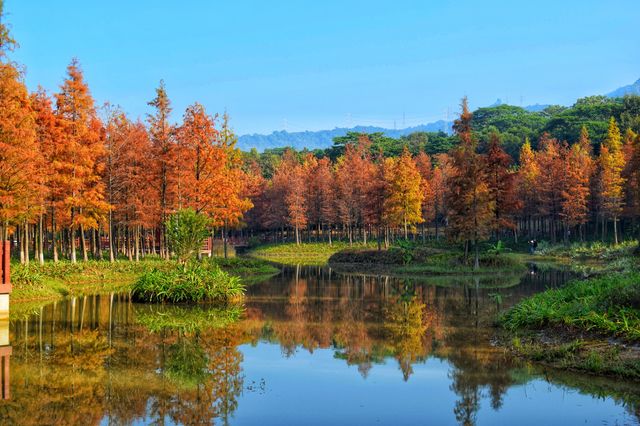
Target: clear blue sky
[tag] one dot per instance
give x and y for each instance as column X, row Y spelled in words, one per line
column 322, row 64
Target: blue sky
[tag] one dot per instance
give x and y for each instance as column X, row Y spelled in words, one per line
column 307, row 65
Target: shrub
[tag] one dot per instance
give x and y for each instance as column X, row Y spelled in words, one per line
column 186, row 231
column 195, row 282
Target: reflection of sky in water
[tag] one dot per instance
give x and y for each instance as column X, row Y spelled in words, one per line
column 384, row 352
column 316, row 389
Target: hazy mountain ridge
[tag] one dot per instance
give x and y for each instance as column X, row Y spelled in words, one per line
column 631, row 89
column 324, row 138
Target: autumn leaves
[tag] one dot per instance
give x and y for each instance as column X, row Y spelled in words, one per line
column 73, row 177
column 354, row 195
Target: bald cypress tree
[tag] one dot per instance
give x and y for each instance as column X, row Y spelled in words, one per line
column 471, row 206
column 611, row 164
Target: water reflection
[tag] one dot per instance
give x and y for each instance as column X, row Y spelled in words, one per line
column 103, row 359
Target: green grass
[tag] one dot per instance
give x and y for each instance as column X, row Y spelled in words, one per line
column 592, row 357
column 197, row 282
column 53, row 281
column 588, row 251
column 607, row 304
column 450, row 263
column 303, row 254
column 253, row 269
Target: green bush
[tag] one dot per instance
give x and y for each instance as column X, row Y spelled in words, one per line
column 186, row 231
column 195, row 282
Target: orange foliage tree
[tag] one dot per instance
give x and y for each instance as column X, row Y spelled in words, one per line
column 403, row 206
column 502, row 185
column 163, row 154
column 611, row 164
column 423, row 163
column 83, row 187
column 576, row 189
column 471, row 206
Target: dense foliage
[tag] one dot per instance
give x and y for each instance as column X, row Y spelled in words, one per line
column 72, row 177
column 186, row 231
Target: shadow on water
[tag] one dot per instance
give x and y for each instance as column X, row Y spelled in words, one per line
column 104, row 359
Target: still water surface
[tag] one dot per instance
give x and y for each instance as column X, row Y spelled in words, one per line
column 311, row 347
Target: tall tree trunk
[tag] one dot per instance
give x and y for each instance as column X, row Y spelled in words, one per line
column 26, row 243
column 225, row 237
column 72, row 238
column 54, row 236
column 476, row 261
column 137, row 243
column 112, row 256
column 615, row 230
column 129, row 244
column 211, row 240
column 406, row 229
column 83, row 242
column 20, row 236
column 41, row 240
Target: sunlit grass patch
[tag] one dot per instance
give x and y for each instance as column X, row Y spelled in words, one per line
column 305, row 253
column 191, row 283
column 607, row 304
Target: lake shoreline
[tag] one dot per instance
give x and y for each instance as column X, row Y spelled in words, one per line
column 51, row 282
column 590, row 325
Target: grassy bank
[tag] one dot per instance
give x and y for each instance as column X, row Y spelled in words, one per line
column 53, row 281
column 591, row 325
column 303, row 254
column 415, row 260
column 409, row 259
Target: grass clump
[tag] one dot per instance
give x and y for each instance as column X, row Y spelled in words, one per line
column 244, row 266
column 607, row 305
column 303, row 254
column 588, row 251
column 191, row 283
column 56, row 280
column 593, row 357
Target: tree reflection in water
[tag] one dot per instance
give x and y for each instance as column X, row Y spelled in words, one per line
column 103, row 358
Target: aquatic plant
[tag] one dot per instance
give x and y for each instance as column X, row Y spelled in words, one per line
column 193, row 282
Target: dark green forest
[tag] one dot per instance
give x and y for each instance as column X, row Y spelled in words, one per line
column 514, row 125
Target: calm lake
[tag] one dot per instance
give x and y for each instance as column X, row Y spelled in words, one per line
column 310, row 347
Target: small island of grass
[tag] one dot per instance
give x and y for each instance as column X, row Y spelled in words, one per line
column 192, row 283
column 189, row 280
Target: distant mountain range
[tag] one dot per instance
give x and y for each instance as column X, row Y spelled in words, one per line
column 324, row 138
column 631, row 89
column 530, row 108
